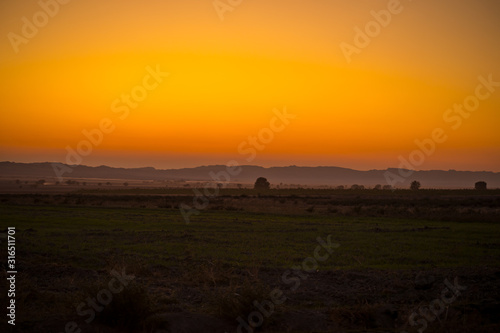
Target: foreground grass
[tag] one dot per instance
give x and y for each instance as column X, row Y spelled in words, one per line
column 224, row 260
column 91, row 237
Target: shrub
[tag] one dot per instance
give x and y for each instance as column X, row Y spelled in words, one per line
column 415, row 185
column 480, row 186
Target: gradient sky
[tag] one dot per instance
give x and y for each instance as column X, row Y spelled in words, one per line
column 226, row 77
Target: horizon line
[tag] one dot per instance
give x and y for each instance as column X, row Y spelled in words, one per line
column 245, row 165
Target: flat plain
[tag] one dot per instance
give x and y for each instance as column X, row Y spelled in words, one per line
column 385, row 255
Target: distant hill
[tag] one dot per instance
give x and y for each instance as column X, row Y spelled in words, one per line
column 331, row 176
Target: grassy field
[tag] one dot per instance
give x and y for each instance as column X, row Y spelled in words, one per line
column 237, row 250
column 161, row 236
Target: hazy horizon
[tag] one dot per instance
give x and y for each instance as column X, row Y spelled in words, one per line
column 248, row 164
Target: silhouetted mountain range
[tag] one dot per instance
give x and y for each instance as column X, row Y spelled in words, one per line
column 288, row 175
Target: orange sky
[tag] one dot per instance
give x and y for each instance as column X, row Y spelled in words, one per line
column 226, row 78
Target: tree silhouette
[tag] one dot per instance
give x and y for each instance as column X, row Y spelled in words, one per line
column 261, row 184
column 415, row 185
column 480, row 185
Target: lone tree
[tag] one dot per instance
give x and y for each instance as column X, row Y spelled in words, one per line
column 480, row 186
column 261, row 184
column 415, row 185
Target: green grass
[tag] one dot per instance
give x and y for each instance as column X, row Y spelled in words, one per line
column 90, row 237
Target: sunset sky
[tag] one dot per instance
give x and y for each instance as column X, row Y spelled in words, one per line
column 227, row 76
